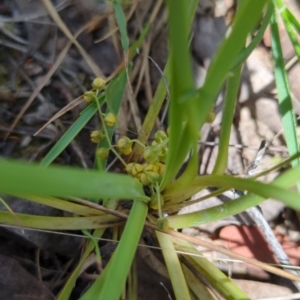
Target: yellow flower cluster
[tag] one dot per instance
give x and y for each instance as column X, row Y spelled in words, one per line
column 158, row 149
column 155, row 155
column 146, row 173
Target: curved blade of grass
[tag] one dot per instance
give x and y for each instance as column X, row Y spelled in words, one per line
column 18, row 222
column 215, row 277
column 59, row 223
column 283, row 90
column 70, row 134
column 233, row 207
column 119, row 265
column 258, row 37
column 177, row 278
column 187, row 177
column 247, row 17
column 292, row 20
column 182, row 114
column 197, row 286
column 180, row 195
column 288, row 26
column 252, row 261
column 114, row 92
column 122, row 24
column 69, row 285
column 231, row 95
column 65, row 205
column 267, row 190
column 30, row 179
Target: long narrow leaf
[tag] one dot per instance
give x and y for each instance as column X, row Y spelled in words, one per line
column 123, row 256
column 30, row 179
column 182, row 114
column 121, row 21
column 70, row 134
column 178, row 281
column 227, row 120
column 258, row 37
column 289, row 27
column 283, row 90
column 233, row 207
column 59, row 223
column 247, row 17
column 207, row 269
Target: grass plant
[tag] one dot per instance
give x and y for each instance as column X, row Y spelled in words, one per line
column 156, row 166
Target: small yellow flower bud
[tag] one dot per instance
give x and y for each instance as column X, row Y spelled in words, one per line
column 144, row 179
column 126, row 151
column 137, row 168
column 110, row 120
column 150, row 154
column 161, row 168
column 168, row 131
column 98, row 83
column 149, row 167
column 163, row 154
column 102, row 153
column 160, row 136
column 210, row 117
column 124, row 143
column 96, row 136
column 89, row 97
column 129, row 168
column 153, row 177
column 154, row 143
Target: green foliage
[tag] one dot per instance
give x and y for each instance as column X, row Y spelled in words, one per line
column 188, row 109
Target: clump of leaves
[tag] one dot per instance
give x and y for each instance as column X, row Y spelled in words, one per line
column 156, row 165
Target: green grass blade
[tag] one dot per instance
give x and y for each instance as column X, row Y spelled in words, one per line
column 59, row 223
column 292, row 20
column 258, row 37
column 177, row 278
column 182, row 114
column 122, row 24
column 267, row 190
column 289, row 27
column 65, row 205
column 197, row 286
column 188, row 175
column 231, row 95
column 70, row 134
column 114, row 92
column 30, row 179
column 247, row 17
column 120, row 263
column 283, row 90
column 233, row 207
column 207, row 269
